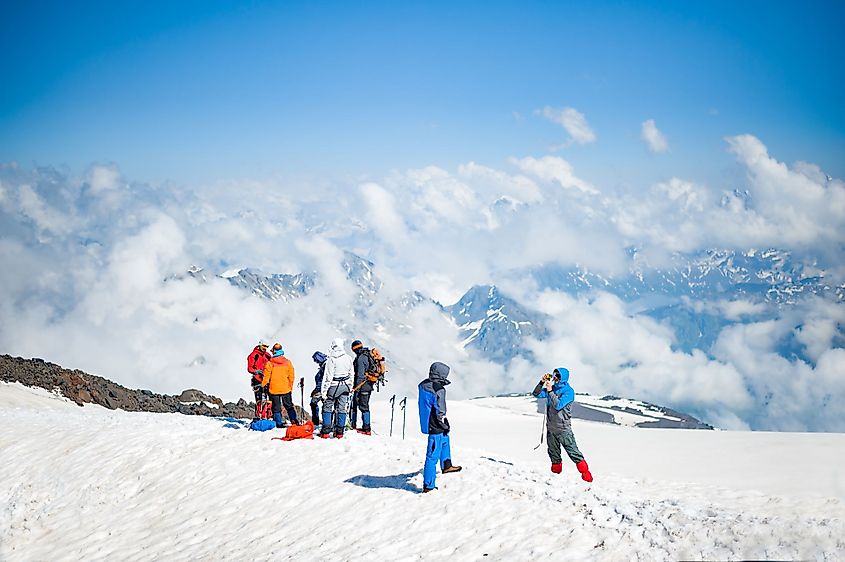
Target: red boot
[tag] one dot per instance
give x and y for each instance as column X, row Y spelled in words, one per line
column 584, row 470
column 557, row 467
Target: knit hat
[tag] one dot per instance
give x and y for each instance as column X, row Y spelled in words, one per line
column 357, row 344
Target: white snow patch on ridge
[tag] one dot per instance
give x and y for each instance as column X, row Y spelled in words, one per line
column 95, row 484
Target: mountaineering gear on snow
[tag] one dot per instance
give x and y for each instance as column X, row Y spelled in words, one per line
column 542, row 434
column 584, row 470
column 432, row 400
column 304, row 431
column 557, row 467
column 337, row 371
column 302, row 395
column 402, row 405
column 392, row 401
column 262, row 425
column 432, row 406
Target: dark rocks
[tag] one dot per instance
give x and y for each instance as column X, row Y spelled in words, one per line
column 83, row 388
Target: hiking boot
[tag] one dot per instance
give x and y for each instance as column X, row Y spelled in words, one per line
column 338, row 436
column 449, row 467
column 364, row 431
column 427, row 490
column 585, row 471
column 557, row 467
column 324, row 436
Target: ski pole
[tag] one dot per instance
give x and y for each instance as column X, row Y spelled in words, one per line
column 392, row 403
column 402, row 405
column 542, row 432
column 302, row 396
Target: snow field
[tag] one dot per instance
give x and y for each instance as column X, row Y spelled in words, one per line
column 94, row 484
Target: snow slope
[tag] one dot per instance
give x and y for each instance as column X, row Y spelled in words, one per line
column 94, row 484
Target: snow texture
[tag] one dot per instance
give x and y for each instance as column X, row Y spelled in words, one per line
column 87, row 483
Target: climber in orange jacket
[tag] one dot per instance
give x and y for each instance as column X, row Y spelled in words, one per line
column 278, row 378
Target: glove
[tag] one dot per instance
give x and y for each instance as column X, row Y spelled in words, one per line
column 446, row 425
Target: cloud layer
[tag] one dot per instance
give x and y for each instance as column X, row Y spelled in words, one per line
column 94, row 275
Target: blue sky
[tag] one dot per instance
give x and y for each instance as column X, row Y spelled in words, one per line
column 196, row 91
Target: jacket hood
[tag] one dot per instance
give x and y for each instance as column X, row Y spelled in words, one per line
column 278, row 359
column 564, row 374
column 438, row 372
column 337, row 343
column 278, row 353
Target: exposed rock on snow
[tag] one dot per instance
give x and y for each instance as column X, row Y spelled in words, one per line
column 83, row 388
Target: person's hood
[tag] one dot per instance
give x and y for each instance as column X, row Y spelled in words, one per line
column 438, row 372
column 278, row 353
column 319, row 357
column 337, row 343
column 564, row 374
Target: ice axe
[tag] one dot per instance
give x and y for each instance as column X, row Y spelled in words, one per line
column 402, row 405
column 302, row 395
column 392, row 403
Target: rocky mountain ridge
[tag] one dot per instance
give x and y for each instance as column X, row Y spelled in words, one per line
column 83, row 388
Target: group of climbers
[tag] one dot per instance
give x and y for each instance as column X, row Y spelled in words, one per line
column 273, row 376
column 341, row 384
column 344, row 383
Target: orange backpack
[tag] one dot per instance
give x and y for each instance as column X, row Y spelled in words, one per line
column 304, row 431
column 378, row 366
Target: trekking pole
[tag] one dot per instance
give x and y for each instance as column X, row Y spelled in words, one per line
column 402, row 405
column 392, row 403
column 302, row 396
column 542, row 433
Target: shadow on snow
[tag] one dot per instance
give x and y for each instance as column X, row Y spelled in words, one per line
column 395, row 481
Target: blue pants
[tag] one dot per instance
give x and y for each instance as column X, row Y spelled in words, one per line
column 438, row 451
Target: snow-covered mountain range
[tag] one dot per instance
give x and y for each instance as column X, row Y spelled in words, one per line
column 497, row 326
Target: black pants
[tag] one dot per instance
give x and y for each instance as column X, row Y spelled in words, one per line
column 315, row 407
column 260, row 394
column 362, row 402
column 279, row 400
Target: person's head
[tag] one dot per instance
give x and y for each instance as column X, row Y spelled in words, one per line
column 438, row 371
column 561, row 374
column 337, row 343
column 262, row 345
column 357, row 346
column 319, row 357
column 277, row 350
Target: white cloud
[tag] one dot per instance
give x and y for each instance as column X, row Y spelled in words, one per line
column 654, row 139
column 103, row 178
column 573, row 121
column 383, row 215
column 108, row 291
column 553, row 169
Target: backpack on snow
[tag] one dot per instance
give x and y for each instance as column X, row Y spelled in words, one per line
column 377, row 368
column 304, row 431
column 262, row 425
